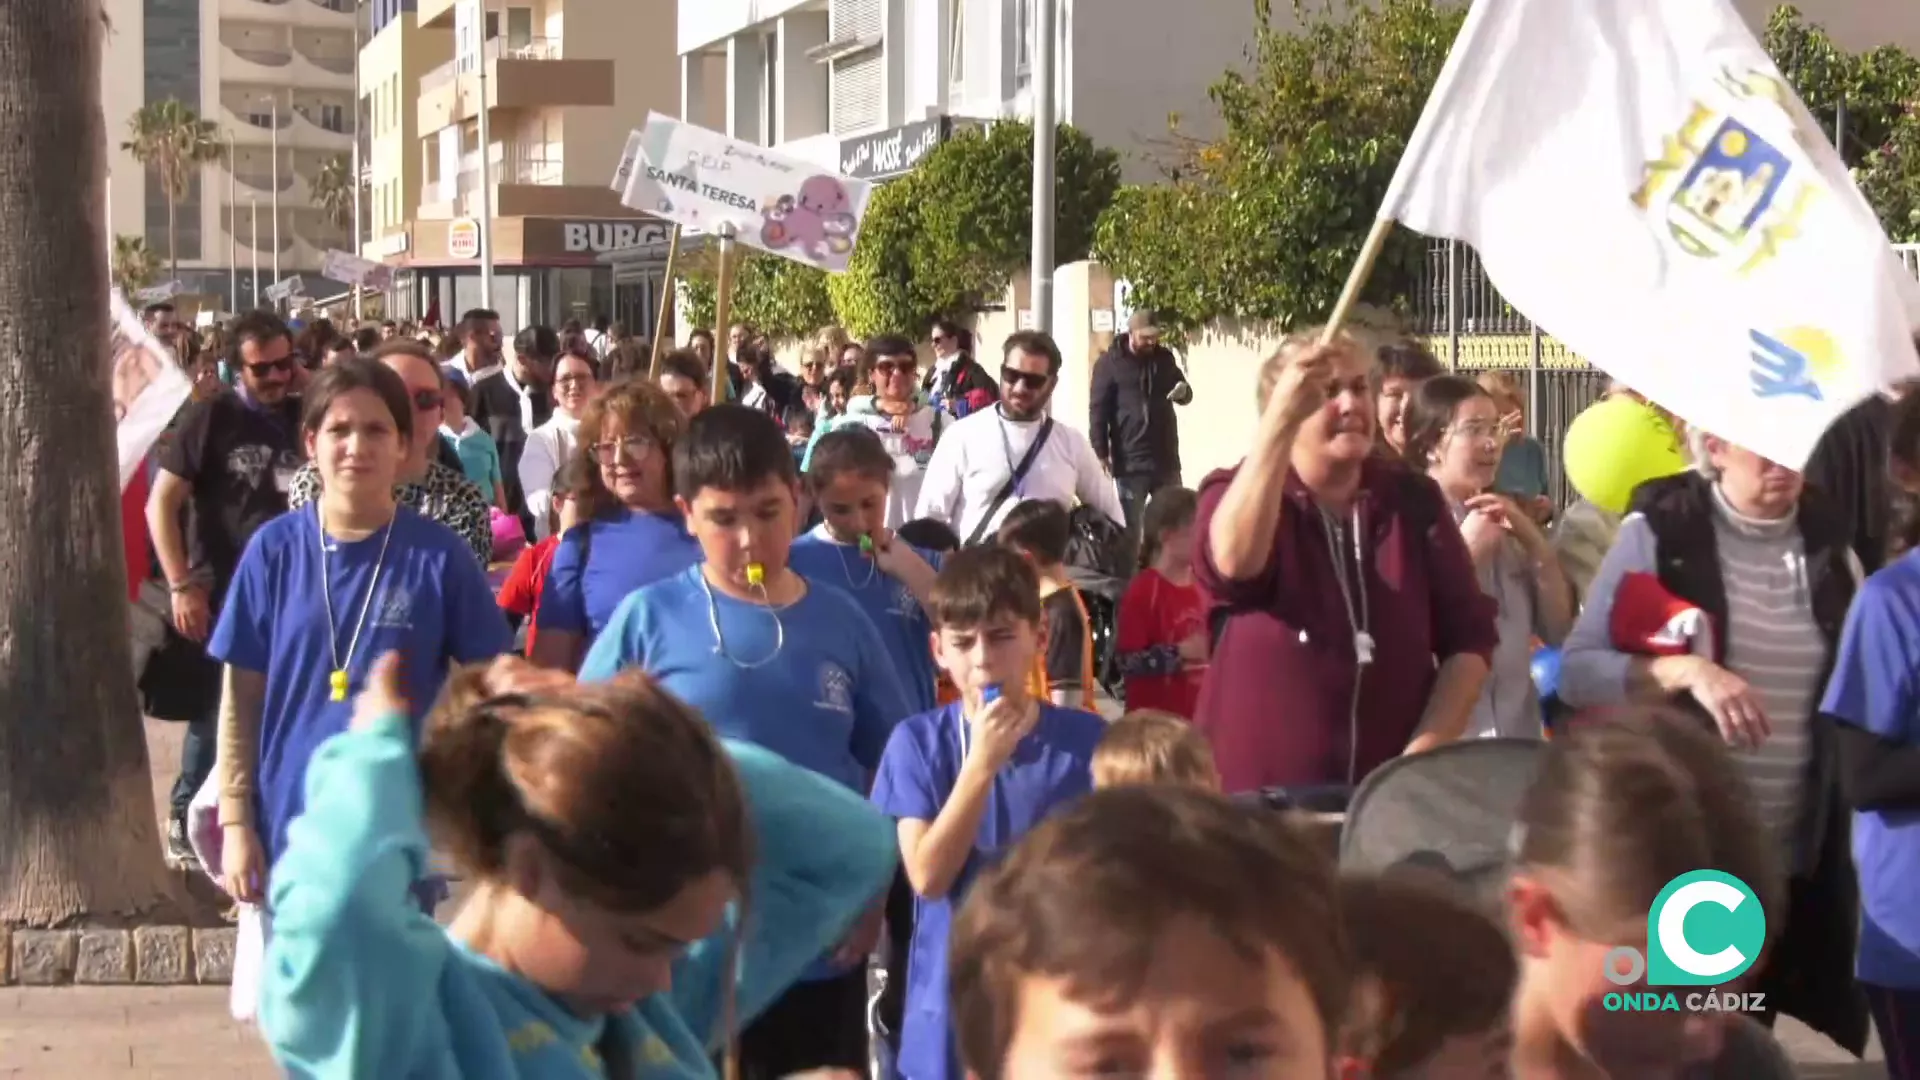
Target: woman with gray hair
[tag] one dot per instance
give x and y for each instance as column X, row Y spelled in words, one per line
column 1740, row 541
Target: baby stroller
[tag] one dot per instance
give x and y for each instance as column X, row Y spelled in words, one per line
column 1101, row 594
column 1449, row 811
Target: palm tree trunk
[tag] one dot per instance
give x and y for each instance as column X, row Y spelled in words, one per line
column 173, row 240
column 78, row 836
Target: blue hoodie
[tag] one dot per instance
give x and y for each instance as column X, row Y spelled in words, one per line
column 358, row 983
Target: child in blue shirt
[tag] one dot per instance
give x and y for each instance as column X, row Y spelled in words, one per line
column 852, row 549
column 769, row 658
column 966, row 782
column 641, row 888
column 479, row 454
column 320, row 592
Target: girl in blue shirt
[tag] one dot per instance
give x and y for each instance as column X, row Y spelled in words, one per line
column 629, row 532
column 641, row 888
column 321, row 591
column 853, row 550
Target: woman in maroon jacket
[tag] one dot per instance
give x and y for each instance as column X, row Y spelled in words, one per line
column 1349, row 627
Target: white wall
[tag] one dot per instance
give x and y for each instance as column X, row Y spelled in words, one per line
column 122, row 92
column 704, row 22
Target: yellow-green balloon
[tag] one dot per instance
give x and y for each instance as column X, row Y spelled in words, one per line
column 1616, row 445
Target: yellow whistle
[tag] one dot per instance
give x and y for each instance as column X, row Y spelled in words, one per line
column 756, row 575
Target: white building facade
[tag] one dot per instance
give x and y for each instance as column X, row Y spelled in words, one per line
column 864, row 86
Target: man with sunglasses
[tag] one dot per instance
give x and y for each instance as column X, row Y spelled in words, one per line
column 225, row 473
column 991, row 460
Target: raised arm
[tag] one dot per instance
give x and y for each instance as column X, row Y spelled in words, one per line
column 352, row 965
column 822, row 853
column 1238, row 541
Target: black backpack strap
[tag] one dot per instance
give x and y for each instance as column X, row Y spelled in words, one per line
column 1013, row 482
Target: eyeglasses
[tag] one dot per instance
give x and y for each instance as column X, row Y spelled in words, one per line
column 573, row 380
column 631, row 448
column 427, row 400
column 1478, row 429
column 1032, row 380
column 894, row 367
column 940, row 339
column 269, row 367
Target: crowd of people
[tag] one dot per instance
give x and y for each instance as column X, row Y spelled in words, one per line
column 730, row 692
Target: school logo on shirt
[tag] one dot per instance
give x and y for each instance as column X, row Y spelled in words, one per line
column 394, row 612
column 836, row 688
column 900, row 601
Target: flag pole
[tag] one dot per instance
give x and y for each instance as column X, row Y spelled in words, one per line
column 1357, row 280
column 666, row 302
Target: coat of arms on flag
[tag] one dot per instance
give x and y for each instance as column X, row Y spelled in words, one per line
column 1725, row 192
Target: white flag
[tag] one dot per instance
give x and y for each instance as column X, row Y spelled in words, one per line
column 1640, row 180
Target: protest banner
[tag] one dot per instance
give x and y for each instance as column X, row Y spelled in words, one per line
column 705, row 182
column 148, row 387
column 353, row 270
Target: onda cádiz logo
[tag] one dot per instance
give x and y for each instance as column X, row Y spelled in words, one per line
column 1705, row 930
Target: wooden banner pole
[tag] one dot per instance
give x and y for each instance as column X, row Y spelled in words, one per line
column 666, row 305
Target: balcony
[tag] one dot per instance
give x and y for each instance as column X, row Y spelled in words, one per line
column 252, row 123
column 313, row 128
column 528, row 73
column 238, row 221
column 437, row 14
column 255, row 64
column 317, row 13
column 257, row 177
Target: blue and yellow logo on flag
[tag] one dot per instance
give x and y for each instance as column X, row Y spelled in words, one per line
column 1794, row 362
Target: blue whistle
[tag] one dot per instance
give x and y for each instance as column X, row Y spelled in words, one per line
column 990, row 695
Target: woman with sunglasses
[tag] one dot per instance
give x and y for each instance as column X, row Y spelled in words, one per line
column 907, row 427
column 423, row 483
column 629, row 533
column 321, row 592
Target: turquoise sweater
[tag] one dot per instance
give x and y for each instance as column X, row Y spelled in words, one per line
column 359, row 983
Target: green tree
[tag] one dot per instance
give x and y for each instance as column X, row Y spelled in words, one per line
column 171, row 139
column 1267, row 220
column 134, row 264
column 952, row 233
column 1890, row 179
column 781, row 298
column 1875, row 88
column 877, row 294
column 1875, row 93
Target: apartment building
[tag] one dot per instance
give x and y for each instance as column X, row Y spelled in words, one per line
column 866, row 85
column 564, row 81
column 277, row 76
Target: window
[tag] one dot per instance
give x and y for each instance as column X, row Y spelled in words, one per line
column 769, row 89
column 1022, row 39
column 333, row 117
column 857, row 91
column 957, row 48
column 519, row 27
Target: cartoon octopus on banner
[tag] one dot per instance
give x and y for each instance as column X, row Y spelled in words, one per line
column 819, row 222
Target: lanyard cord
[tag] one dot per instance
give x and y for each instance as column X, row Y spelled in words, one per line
column 339, row 673
column 873, row 568
column 1358, row 619
column 1006, row 448
column 720, row 641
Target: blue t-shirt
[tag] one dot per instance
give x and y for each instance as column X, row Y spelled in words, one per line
column 432, row 606
column 810, row 681
column 1874, row 688
column 598, row 563
column 1051, row 766
column 904, row 627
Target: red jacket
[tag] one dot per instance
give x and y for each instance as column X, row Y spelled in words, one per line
column 133, row 531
